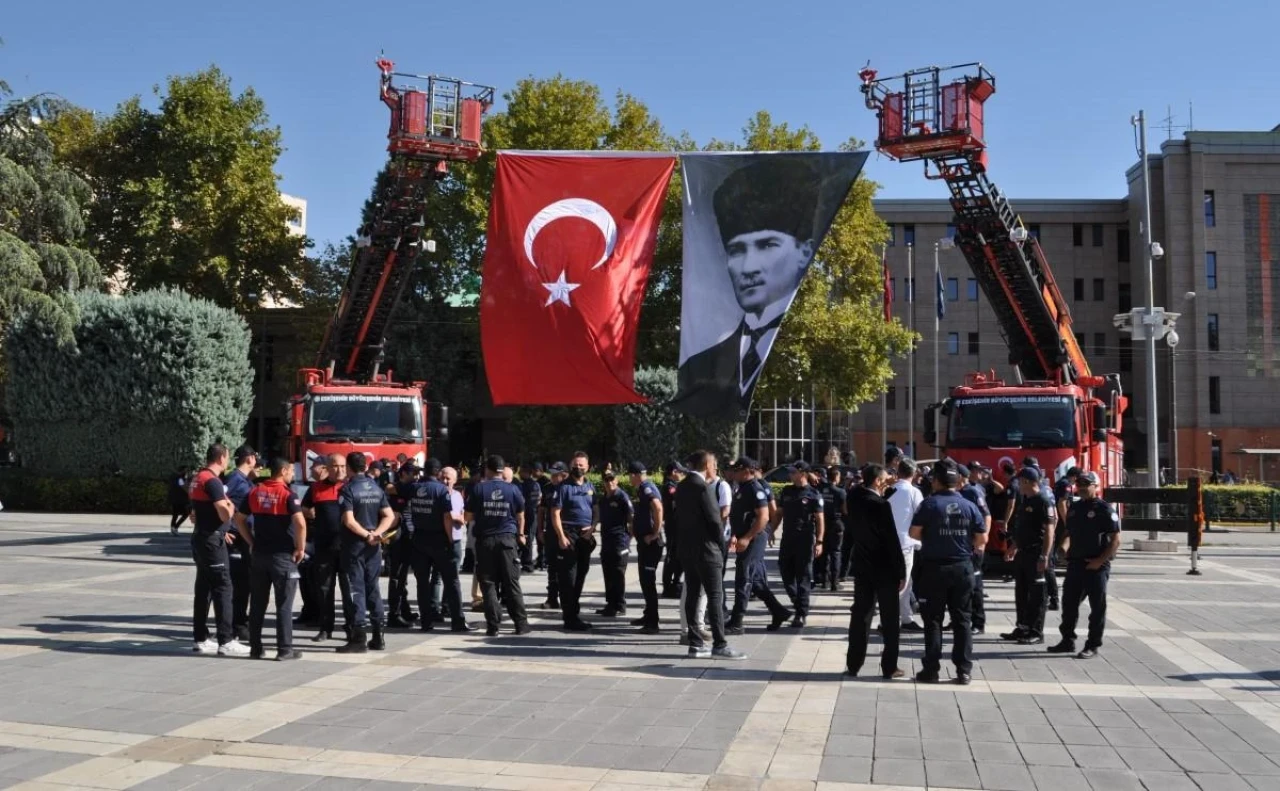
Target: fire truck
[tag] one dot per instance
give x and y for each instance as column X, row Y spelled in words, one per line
column 347, row 402
column 1058, row 409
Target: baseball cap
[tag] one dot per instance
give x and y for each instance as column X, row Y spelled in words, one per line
column 1074, row 471
column 963, row 470
column 675, row 467
column 558, row 467
column 1031, row 461
column 431, row 467
column 744, row 463
column 536, row 466
column 1029, row 474
column 636, row 468
column 1089, row 477
column 244, row 452
column 978, row 466
column 608, row 475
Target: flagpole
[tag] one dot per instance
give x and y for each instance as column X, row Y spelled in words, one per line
column 884, row 402
column 937, row 322
column 911, row 369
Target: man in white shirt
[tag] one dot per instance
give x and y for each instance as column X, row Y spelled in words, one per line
column 905, row 498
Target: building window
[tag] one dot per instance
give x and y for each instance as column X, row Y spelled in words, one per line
column 953, row 289
column 893, row 235
column 951, row 231
column 891, row 398
column 1213, row 332
column 1210, row 210
column 1099, row 344
column 1033, row 230
column 953, row 343
column 1124, row 293
column 1079, row 289
column 1077, row 235
column 909, row 235
column 1097, row 234
column 1126, row 357
column 971, row 289
column 973, row 343
column 1211, row 270
column 1099, row 289
column 1215, row 395
column 1122, row 245
column 1080, row 340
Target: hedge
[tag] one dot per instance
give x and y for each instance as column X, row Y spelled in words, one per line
column 23, row 491
column 1233, row 503
column 148, row 382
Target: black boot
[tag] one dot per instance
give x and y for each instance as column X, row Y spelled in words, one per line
column 321, row 636
column 397, row 622
column 355, row 643
column 377, row 643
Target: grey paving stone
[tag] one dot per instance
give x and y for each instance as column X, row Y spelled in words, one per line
column 951, row 774
column 1058, row 778
column 898, row 747
column 1076, row 735
column 1200, row 761
column 551, row 752
column 1034, row 734
column 1096, row 756
column 1046, row 754
column 897, row 727
column 931, row 730
column 1220, row 782
column 1112, row 780
column 855, row 726
column 897, row 772
column 695, row 761
column 948, row 750
column 1018, row 718
column 1250, row 763
column 1005, row 777
column 643, row 757
column 703, row 738
column 663, row 736
column 29, row 764
column 1147, row 759
column 844, row 769
column 1126, row 737
column 1263, row 782
column 999, row 752
column 850, row 746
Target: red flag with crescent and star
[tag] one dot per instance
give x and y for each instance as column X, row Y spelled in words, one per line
column 571, row 238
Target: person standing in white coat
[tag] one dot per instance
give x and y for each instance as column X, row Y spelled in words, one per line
column 905, row 498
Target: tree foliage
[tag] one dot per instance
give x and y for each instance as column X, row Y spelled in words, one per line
column 652, row 432
column 187, row 195
column 147, row 383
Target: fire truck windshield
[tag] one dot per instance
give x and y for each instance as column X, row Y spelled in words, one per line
column 365, row 418
column 1012, row 422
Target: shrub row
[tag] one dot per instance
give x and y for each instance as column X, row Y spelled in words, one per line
column 20, row 491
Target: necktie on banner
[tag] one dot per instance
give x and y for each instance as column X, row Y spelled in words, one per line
column 941, row 298
column 752, row 223
column 569, row 246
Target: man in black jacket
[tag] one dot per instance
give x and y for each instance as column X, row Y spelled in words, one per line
column 702, row 555
column 879, row 571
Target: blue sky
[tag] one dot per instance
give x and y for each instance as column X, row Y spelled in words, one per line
column 1069, row 77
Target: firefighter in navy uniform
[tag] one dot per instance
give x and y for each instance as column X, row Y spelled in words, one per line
column 616, row 513
column 277, row 538
column 647, row 529
column 1031, row 542
column 399, row 551
column 548, row 542
column 497, row 509
column 950, row 530
column 748, row 520
column 367, row 516
column 800, row 514
column 974, row 492
column 1064, row 492
column 240, row 482
column 833, row 499
column 430, row 512
column 544, row 488
column 531, row 490
column 211, row 511
column 671, row 569
column 1093, row 539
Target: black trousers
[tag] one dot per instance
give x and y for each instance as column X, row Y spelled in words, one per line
column 306, row 589
column 978, row 607
column 362, row 564
column 432, row 558
column 942, row 588
column 1082, row 582
column 551, row 555
column 1029, row 590
column 867, row 593
column 795, row 566
column 178, row 515
column 399, row 557
column 323, row 578
column 213, row 586
column 751, row 578
column 572, row 565
column 614, row 557
column 530, row 531
column 240, row 563
column 649, row 555
column 672, row 569
column 272, row 572
column 498, row 569
column 704, row 573
column 1051, row 575
column 832, row 560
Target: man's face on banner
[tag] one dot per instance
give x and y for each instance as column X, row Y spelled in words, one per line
column 765, row 267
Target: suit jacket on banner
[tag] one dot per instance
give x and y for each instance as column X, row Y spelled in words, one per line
column 569, row 246
column 752, row 223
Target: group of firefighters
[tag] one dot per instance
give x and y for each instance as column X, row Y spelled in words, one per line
column 906, row 538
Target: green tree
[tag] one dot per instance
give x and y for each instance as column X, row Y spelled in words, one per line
column 650, row 432
column 43, row 204
column 187, row 195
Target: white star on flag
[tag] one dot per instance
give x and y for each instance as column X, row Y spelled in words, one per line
column 559, row 291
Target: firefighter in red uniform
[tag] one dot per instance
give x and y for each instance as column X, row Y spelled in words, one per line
column 321, row 504
column 277, row 537
column 212, row 510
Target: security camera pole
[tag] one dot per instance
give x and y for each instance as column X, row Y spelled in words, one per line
column 1153, row 407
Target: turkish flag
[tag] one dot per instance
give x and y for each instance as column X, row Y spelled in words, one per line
column 570, row 242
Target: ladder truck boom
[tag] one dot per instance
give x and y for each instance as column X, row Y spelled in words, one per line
column 1061, row 412
column 347, row 402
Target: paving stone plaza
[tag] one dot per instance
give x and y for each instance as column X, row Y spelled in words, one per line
column 99, row 689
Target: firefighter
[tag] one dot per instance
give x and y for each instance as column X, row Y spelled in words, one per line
column 1030, row 545
column 1092, row 540
column 950, row 530
column 277, row 537
column 973, row 491
column 211, row 511
column 239, row 484
column 399, row 552
column 320, row 504
column 496, row 508
column 306, row 569
column 748, row 518
column 367, row 516
column 800, row 514
column 1064, row 492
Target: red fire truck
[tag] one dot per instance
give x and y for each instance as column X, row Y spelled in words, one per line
column 1058, row 410
column 347, row 402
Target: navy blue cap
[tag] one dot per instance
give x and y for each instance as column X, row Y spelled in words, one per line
column 1029, row 474
column 636, row 468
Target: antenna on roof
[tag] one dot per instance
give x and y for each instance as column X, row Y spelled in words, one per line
column 1168, row 125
